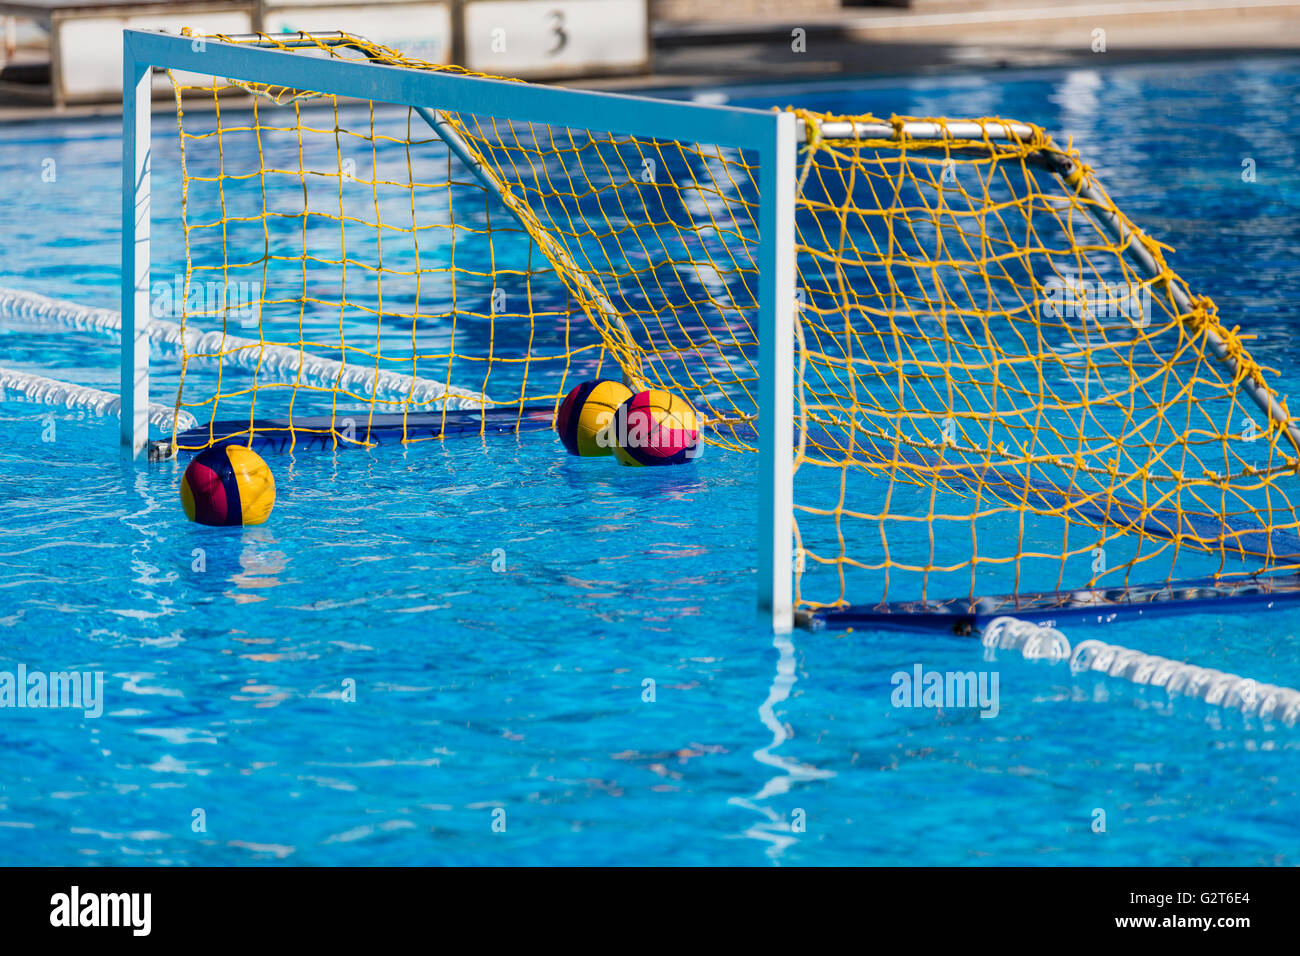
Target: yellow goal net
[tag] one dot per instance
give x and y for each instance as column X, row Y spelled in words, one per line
column 1004, row 396
column 1009, row 397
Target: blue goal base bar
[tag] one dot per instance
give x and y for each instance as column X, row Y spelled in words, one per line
column 326, row 433
column 965, row 616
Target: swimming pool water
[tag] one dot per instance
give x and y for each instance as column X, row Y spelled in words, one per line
column 497, row 609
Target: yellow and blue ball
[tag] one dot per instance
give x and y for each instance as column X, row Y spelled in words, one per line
column 656, row 427
column 585, row 414
column 228, row 485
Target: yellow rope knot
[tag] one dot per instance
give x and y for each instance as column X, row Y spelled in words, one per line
column 1203, row 317
column 1198, row 318
column 812, row 128
column 1232, row 342
column 1079, row 170
column 1235, row 350
column 813, row 133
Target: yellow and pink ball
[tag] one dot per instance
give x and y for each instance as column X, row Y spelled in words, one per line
column 228, row 485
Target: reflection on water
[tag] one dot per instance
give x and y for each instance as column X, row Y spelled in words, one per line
column 779, row 828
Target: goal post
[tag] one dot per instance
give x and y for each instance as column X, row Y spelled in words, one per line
column 137, row 83
column 970, row 385
column 776, row 381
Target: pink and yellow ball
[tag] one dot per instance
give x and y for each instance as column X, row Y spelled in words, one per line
column 656, row 427
column 228, row 485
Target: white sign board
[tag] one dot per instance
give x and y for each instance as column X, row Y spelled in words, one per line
column 420, row 30
column 539, row 39
column 90, row 50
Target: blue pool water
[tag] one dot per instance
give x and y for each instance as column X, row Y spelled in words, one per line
column 497, row 609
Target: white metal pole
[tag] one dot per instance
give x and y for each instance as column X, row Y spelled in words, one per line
column 136, row 94
column 776, row 318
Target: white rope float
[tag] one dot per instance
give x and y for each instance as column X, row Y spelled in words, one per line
column 50, row 391
column 1178, row 678
column 1033, row 642
column 280, row 362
